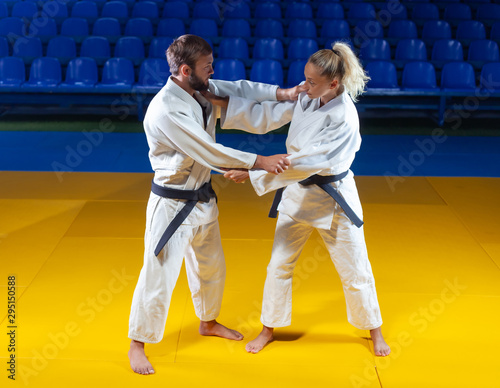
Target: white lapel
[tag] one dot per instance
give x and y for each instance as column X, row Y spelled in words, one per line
column 175, row 89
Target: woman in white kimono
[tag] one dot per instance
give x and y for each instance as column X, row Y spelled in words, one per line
column 322, row 141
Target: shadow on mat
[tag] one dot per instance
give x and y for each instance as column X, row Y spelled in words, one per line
column 290, row 336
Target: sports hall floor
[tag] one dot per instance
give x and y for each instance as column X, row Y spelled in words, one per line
column 74, row 242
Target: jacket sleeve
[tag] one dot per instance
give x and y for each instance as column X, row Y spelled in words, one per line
column 255, row 117
column 252, row 90
column 185, row 135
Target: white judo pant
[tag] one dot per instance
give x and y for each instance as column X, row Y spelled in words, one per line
column 205, row 267
column 346, row 245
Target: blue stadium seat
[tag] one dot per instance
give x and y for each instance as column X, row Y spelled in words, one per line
column 359, row 11
column 85, row 9
column 76, row 28
column 402, row 29
column 115, row 9
column 302, row 28
column 446, row 50
column 28, row 49
column 229, row 70
column 55, row 9
column 267, row 71
column 45, row 75
column 159, row 46
column 296, row 73
column 236, row 28
column 268, row 48
column 269, row 28
column 233, row 48
column 490, row 77
column 301, row 48
column 335, row 29
column 483, row 51
column 470, row 30
column 145, row 9
column 12, row 26
column 375, row 50
column 100, row 3
column 81, row 75
column 12, row 73
column 409, row 50
column 175, row 9
column 366, row 30
column 456, row 13
column 435, row 30
column 495, row 32
column 329, row 11
column 458, row 77
column 153, row 75
column 204, row 28
column 382, row 74
column 97, row 47
column 394, row 10
column 267, row 11
column 62, row 48
column 130, row 47
column 419, row 76
column 107, row 27
column 24, row 9
column 43, row 28
column 298, row 11
column 4, row 10
column 488, row 13
column 4, row 47
column 159, row 2
column 117, row 76
column 207, row 10
column 170, row 27
column 424, row 12
column 140, row 27
column 237, row 10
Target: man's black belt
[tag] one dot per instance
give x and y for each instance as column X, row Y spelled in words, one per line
column 323, row 182
column 203, row 194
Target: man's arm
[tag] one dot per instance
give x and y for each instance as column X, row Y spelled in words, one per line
column 252, row 116
column 188, row 137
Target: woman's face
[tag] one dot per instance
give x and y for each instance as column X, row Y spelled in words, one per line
column 317, row 86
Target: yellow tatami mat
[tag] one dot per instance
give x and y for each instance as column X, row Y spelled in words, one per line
column 75, row 246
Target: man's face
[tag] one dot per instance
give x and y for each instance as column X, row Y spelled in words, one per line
column 198, row 80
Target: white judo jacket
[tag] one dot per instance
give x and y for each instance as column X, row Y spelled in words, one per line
column 182, row 150
column 321, row 140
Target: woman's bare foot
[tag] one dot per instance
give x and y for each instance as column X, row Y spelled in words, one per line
column 218, row 330
column 265, row 336
column 138, row 360
column 379, row 345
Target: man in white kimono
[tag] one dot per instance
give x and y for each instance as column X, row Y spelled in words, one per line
column 182, row 212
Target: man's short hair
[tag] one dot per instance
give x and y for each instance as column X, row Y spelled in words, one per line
column 186, row 49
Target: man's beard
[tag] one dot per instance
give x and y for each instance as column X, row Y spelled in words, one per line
column 197, row 83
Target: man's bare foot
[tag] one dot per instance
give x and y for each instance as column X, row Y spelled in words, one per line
column 379, row 345
column 138, row 360
column 256, row 345
column 216, row 329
